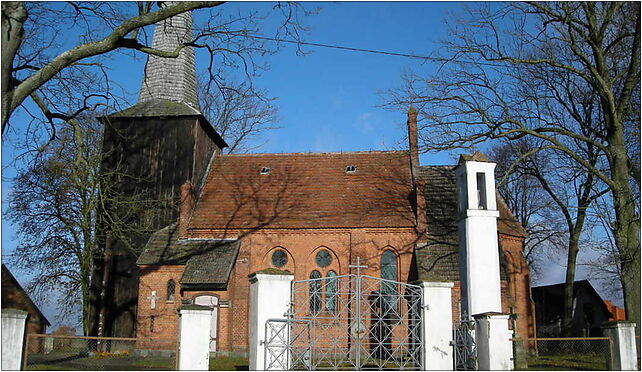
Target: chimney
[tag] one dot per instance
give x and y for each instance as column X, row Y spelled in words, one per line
column 418, row 183
column 185, row 208
column 413, row 145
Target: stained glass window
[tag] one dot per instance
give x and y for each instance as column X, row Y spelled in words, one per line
column 323, row 258
column 315, row 292
column 331, row 291
column 279, row 258
column 389, row 271
column 171, row 289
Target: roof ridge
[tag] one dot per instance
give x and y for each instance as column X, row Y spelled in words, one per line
column 437, row 166
column 318, row 153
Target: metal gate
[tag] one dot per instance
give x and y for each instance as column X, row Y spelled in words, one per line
column 348, row 322
column 464, row 346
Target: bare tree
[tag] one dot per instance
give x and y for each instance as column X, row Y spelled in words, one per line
column 571, row 192
column 237, row 112
column 532, row 207
column 508, row 63
column 60, row 201
column 37, row 65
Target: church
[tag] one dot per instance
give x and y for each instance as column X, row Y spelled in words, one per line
column 312, row 214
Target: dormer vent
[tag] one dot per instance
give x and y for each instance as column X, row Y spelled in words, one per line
column 351, row 169
column 265, row 170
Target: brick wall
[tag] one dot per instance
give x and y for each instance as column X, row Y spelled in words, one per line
column 165, row 316
column 518, row 291
column 301, row 247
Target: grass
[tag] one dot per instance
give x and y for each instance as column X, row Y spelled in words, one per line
column 568, row 362
column 47, row 367
column 229, row 364
column 58, row 361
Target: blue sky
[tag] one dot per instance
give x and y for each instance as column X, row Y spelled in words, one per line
column 328, row 99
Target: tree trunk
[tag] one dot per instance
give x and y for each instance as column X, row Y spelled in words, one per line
column 626, row 228
column 102, row 315
column 567, row 314
column 14, row 15
column 627, row 238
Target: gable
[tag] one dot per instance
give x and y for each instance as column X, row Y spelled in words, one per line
column 306, row 190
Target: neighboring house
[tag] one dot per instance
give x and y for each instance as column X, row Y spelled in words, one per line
column 589, row 310
column 14, row 297
column 617, row 312
column 311, row 214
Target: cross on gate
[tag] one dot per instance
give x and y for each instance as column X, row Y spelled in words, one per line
column 152, row 298
column 358, row 266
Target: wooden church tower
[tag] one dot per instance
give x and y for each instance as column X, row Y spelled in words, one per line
column 161, row 142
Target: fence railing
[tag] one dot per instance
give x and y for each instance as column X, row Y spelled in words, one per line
column 99, row 353
column 574, row 353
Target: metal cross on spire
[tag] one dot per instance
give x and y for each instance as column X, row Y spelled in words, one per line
column 358, row 266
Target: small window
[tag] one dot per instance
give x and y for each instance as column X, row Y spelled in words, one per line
column 265, row 170
column 171, row 289
column 279, row 258
column 481, row 191
column 323, row 258
column 152, row 320
column 351, row 169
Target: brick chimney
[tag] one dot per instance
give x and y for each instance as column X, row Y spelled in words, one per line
column 185, row 208
column 413, row 145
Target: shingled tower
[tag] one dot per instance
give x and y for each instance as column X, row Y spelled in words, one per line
column 162, row 141
column 172, row 79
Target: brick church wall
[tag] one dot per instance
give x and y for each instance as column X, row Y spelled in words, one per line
column 301, row 247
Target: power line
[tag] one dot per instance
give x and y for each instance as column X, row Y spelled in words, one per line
column 342, row 47
column 373, row 51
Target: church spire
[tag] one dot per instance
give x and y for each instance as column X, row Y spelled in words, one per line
column 171, row 79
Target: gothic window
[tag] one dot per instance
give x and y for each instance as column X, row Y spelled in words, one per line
column 389, row 272
column 323, row 258
column 279, row 258
column 171, row 289
column 315, row 292
column 331, row 291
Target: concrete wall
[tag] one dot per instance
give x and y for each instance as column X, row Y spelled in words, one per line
column 437, row 322
column 270, row 296
column 195, row 324
column 13, row 337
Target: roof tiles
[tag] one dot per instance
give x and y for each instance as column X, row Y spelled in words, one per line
column 306, row 190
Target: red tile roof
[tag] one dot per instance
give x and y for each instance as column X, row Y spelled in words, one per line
column 306, row 190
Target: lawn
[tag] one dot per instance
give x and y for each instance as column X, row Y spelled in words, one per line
column 229, row 364
column 564, row 362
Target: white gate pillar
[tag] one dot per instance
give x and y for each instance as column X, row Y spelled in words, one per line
column 437, row 323
column 623, row 351
column 13, row 335
column 270, row 297
column 194, row 351
column 493, row 342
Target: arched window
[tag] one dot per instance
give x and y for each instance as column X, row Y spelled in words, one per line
column 315, row 292
column 389, row 271
column 331, row 290
column 171, row 289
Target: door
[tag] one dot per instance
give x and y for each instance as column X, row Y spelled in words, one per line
column 212, row 302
